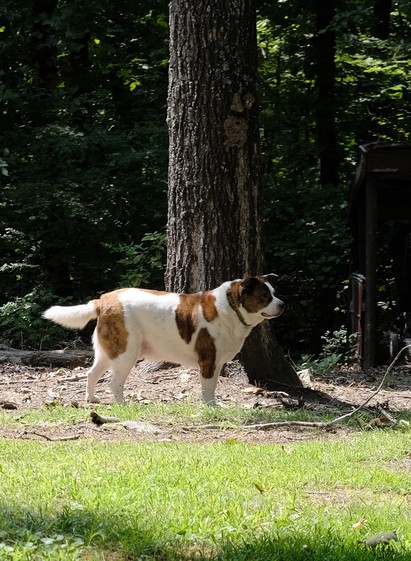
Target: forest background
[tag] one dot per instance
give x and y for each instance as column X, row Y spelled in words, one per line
column 84, row 151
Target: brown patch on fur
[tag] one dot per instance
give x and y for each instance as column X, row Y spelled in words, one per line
column 256, row 295
column 187, row 312
column 210, row 311
column 111, row 328
column 206, row 352
column 187, row 315
column 236, row 291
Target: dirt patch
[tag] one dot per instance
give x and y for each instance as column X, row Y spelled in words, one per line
column 23, row 388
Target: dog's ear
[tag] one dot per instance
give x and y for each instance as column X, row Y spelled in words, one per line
column 249, row 283
column 271, row 278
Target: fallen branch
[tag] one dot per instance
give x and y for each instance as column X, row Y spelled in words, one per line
column 22, row 381
column 57, row 438
column 76, row 378
column 99, row 420
column 138, row 426
column 262, row 426
column 66, row 358
column 377, row 391
column 316, row 424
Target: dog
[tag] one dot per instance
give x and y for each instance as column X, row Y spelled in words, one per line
column 202, row 330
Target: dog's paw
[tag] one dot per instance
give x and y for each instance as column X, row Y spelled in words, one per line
column 92, row 399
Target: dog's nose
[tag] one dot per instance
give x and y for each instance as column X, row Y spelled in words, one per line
column 280, row 306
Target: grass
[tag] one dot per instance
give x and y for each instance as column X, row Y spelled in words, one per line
column 227, row 501
column 176, row 415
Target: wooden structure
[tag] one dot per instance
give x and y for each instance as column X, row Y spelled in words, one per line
column 380, row 192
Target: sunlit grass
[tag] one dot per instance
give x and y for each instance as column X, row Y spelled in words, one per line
column 227, row 501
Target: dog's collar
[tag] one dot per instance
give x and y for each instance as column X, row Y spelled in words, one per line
column 234, row 306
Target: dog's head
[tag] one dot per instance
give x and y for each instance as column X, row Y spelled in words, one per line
column 258, row 297
column 254, row 298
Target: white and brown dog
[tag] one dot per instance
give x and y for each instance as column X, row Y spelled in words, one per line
column 205, row 330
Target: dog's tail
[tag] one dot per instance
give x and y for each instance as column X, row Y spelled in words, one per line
column 74, row 317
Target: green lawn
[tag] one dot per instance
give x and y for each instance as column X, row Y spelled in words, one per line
column 229, row 501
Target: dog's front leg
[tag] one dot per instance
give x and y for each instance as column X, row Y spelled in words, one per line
column 208, row 386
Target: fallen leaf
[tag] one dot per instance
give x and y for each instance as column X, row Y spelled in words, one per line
column 253, row 390
column 259, row 488
column 360, row 524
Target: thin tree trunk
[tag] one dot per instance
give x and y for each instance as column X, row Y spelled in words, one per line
column 43, row 53
column 382, row 15
column 326, row 104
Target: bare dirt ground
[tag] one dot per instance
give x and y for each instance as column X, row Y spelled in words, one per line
column 24, row 388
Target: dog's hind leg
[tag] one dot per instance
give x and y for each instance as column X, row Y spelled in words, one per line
column 100, row 365
column 120, row 369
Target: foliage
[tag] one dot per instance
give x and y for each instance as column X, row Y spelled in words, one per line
column 86, row 154
column 337, row 348
column 22, row 323
column 308, row 239
column 143, row 263
column 83, row 150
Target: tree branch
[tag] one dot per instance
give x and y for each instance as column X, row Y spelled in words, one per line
column 319, row 424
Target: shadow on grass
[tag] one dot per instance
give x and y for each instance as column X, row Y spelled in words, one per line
column 76, row 529
column 89, row 533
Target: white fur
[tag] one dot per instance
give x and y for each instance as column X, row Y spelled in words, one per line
column 150, row 320
column 74, row 317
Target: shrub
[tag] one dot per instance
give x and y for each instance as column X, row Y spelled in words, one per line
column 23, row 325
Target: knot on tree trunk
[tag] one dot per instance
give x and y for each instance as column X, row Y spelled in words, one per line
column 236, row 124
column 235, row 131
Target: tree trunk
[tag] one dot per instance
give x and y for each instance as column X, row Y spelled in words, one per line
column 76, row 68
column 382, row 15
column 326, row 105
column 214, row 224
column 43, row 53
column 326, row 130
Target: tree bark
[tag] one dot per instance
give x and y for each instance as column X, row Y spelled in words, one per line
column 56, row 359
column 213, row 183
column 214, row 223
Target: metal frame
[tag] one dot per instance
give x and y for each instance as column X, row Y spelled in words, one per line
column 380, row 191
